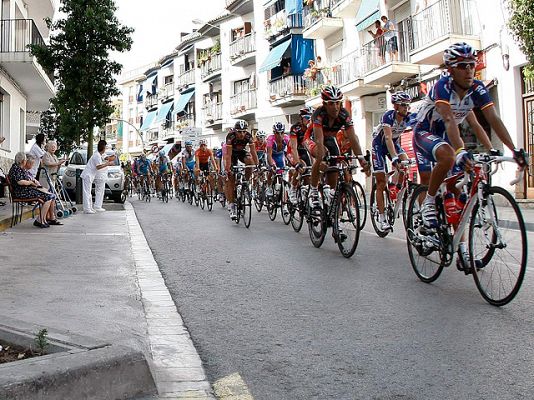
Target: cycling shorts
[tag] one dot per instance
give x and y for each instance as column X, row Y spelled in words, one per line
column 425, row 145
column 190, row 165
column 239, row 155
column 379, row 154
column 332, row 148
column 204, row 167
column 279, row 160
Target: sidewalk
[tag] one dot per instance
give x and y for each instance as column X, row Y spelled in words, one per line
column 95, row 276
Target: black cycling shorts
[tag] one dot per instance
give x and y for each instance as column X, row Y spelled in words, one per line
column 332, row 149
column 304, row 155
column 239, row 156
column 204, row 167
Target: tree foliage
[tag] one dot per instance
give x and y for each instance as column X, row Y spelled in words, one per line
column 78, row 55
column 521, row 24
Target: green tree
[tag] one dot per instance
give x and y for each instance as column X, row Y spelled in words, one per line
column 521, row 24
column 78, row 55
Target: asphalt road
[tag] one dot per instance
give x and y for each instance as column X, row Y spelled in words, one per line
column 303, row 323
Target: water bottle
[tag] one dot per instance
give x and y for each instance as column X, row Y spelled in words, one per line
column 392, row 188
column 449, row 203
column 327, row 192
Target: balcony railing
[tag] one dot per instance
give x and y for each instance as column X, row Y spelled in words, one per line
column 212, row 113
column 211, row 66
column 167, row 91
column 280, row 23
column 186, row 78
column 151, row 100
column 331, row 75
column 319, row 9
column 18, row 34
column 380, row 51
column 290, row 85
column 443, row 18
column 185, row 120
column 243, row 101
column 243, row 45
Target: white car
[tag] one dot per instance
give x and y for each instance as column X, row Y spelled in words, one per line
column 114, row 184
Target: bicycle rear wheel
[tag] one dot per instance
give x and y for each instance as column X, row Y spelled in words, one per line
column 297, row 212
column 209, row 198
column 246, row 204
column 362, row 202
column 285, row 206
column 272, row 205
column 347, row 223
column 498, row 247
column 375, row 214
column 426, row 260
column 259, row 195
column 317, row 225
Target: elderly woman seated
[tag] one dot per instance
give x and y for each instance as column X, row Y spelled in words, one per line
column 26, row 187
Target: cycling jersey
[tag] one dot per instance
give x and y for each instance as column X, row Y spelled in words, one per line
column 236, row 143
column 389, row 119
column 278, row 153
column 143, row 167
column 331, row 127
column 260, row 146
column 163, row 165
column 189, row 157
column 203, row 155
column 298, row 131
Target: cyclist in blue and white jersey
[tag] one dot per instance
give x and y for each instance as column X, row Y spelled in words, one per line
column 188, row 161
column 386, row 143
column 436, row 134
column 276, row 152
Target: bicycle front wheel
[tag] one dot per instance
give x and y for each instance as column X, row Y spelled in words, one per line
column 362, row 202
column 246, row 205
column 347, row 222
column 285, row 209
column 375, row 214
column 209, row 198
column 498, row 247
column 297, row 212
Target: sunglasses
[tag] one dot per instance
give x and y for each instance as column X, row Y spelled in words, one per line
column 464, row 65
column 404, row 104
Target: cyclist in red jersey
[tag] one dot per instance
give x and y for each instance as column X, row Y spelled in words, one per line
column 298, row 154
column 203, row 156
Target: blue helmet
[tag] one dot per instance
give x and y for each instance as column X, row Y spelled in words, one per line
column 279, row 127
column 189, row 143
column 161, row 153
column 400, row 97
column 458, row 52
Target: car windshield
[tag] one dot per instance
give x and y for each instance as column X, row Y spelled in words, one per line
column 79, row 157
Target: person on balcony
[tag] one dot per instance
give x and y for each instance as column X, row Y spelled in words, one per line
column 379, row 40
column 390, row 37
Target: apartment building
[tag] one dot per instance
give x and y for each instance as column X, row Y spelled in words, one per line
column 251, row 62
column 25, row 88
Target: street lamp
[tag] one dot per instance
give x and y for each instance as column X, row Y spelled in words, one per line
column 133, row 126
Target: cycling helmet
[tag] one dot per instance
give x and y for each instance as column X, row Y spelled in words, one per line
column 308, row 110
column 189, row 143
column 261, row 134
column 241, row 125
column 279, row 127
column 400, row 97
column 161, row 153
column 143, row 156
column 202, row 141
column 331, row 93
column 458, row 52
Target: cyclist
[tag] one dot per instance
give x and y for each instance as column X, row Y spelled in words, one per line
column 261, row 145
column 164, row 168
column 276, row 148
column 236, row 143
column 188, row 161
column 327, row 120
column 297, row 152
column 203, row 158
column 142, row 169
column 386, row 143
column 436, row 135
column 219, row 161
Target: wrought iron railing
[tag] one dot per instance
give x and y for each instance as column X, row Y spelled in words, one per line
column 211, row 66
column 185, row 120
column 285, row 86
column 443, row 18
column 186, row 78
column 151, row 100
column 243, row 101
column 243, row 45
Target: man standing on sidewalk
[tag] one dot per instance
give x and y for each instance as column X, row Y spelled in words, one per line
column 95, row 170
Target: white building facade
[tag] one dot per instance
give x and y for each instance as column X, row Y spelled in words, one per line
column 25, row 88
column 250, row 63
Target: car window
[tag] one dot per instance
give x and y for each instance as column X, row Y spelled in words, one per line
column 78, row 158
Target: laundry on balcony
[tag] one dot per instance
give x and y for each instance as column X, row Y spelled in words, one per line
column 181, row 102
column 274, row 58
column 368, row 13
column 164, row 111
column 149, row 119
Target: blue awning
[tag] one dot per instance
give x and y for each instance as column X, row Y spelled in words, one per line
column 275, row 56
column 164, row 111
column 181, row 102
column 147, row 122
column 367, row 14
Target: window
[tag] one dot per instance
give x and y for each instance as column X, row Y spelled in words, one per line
column 241, row 86
column 169, row 79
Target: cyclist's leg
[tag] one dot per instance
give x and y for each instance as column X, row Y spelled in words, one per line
column 332, row 148
column 379, row 171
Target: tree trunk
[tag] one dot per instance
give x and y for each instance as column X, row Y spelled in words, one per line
column 90, row 143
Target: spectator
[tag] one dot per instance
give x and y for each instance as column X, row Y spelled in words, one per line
column 286, row 67
column 390, row 37
column 25, row 187
column 50, row 163
column 379, row 40
column 312, row 70
column 95, row 170
column 37, row 152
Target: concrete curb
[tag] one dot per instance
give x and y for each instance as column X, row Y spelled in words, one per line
column 5, row 223
column 76, row 368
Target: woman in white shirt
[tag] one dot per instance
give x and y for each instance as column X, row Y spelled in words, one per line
column 37, row 152
column 92, row 172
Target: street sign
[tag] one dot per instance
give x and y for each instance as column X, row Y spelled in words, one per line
column 191, row 133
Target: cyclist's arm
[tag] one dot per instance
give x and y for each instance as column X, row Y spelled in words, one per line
column 498, row 126
column 444, row 109
column 197, row 162
column 270, row 156
column 480, row 133
column 294, row 151
column 228, row 158
column 254, row 154
column 354, row 142
column 388, row 135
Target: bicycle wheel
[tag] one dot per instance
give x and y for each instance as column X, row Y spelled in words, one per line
column 202, row 199
column 375, row 214
column 425, row 259
column 317, row 225
column 362, row 202
column 238, row 209
column 246, row 205
column 297, row 212
column 347, row 222
column 285, row 205
column 209, row 198
column 259, row 195
column 271, row 204
column 498, row 247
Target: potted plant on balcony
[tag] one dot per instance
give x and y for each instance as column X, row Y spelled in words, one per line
column 216, row 49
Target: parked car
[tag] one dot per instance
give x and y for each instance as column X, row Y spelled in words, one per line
column 114, row 184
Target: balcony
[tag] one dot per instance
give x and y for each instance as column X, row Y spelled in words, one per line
column 166, row 92
column 151, row 101
column 280, row 24
column 345, row 8
column 287, row 91
column 243, row 50
column 351, row 79
column 318, row 20
column 15, row 37
column 437, row 27
column 240, row 7
column 211, row 68
column 331, row 75
column 212, row 114
column 243, row 104
column 382, row 65
column 185, row 121
column 186, row 78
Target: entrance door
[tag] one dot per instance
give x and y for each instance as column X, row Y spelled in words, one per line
column 528, row 129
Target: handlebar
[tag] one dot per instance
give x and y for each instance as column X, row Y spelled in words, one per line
column 489, row 159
